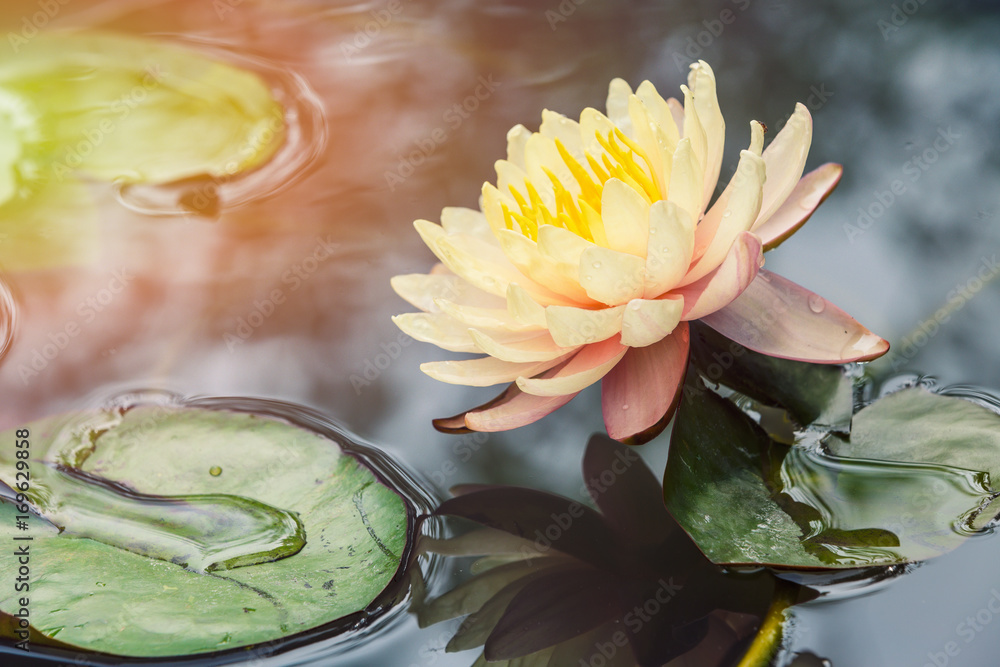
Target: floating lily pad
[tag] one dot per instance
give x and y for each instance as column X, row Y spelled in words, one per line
column 746, row 499
column 141, row 110
column 187, row 530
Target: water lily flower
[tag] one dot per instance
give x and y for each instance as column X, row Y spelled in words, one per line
column 597, row 245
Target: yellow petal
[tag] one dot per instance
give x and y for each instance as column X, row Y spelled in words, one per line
column 740, row 213
column 701, row 80
column 617, row 104
column 524, row 254
column 437, row 329
column 537, row 348
column 484, row 371
column 589, row 365
column 649, row 321
column 523, row 307
column 785, row 158
column 612, row 277
column 516, row 138
column 571, row 327
column 686, row 180
column 653, row 142
column 659, row 111
column 483, row 318
column 592, row 123
column 557, row 126
column 671, row 244
column 626, row 218
column 421, row 289
column 694, row 131
column 460, row 220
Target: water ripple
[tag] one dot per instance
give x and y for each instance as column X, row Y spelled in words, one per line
column 305, row 140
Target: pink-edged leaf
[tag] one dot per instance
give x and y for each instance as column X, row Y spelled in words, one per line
column 777, row 317
column 811, row 190
column 511, row 409
column 640, row 393
column 720, row 287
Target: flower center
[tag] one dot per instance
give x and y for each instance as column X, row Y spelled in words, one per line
column 622, row 158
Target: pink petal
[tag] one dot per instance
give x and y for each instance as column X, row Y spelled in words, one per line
column 640, row 393
column 589, row 365
column 722, row 286
column 809, row 193
column 774, row 316
column 511, row 409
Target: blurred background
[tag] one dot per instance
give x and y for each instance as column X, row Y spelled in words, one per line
column 403, row 106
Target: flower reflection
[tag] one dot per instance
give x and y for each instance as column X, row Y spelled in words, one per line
column 595, row 249
column 560, row 583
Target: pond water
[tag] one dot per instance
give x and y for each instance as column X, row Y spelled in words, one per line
column 398, row 108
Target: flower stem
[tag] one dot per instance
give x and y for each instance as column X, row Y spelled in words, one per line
column 765, row 645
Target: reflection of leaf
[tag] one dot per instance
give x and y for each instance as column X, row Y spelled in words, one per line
column 118, row 107
column 746, row 499
column 568, row 580
column 919, row 426
column 812, row 393
column 113, row 600
column 56, row 225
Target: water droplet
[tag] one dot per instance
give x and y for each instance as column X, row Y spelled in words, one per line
column 215, row 471
column 597, row 265
column 625, row 406
column 652, row 230
column 816, row 303
column 202, row 533
column 727, row 214
column 665, row 250
column 588, row 277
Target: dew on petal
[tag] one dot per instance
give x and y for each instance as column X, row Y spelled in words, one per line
column 816, row 303
column 625, row 406
column 597, row 265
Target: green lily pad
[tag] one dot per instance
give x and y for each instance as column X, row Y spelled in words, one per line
column 919, row 426
column 188, row 530
column 746, row 499
column 140, row 110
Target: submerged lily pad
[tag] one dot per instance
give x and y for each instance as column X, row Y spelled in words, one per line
column 189, row 530
column 889, row 497
column 115, row 108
